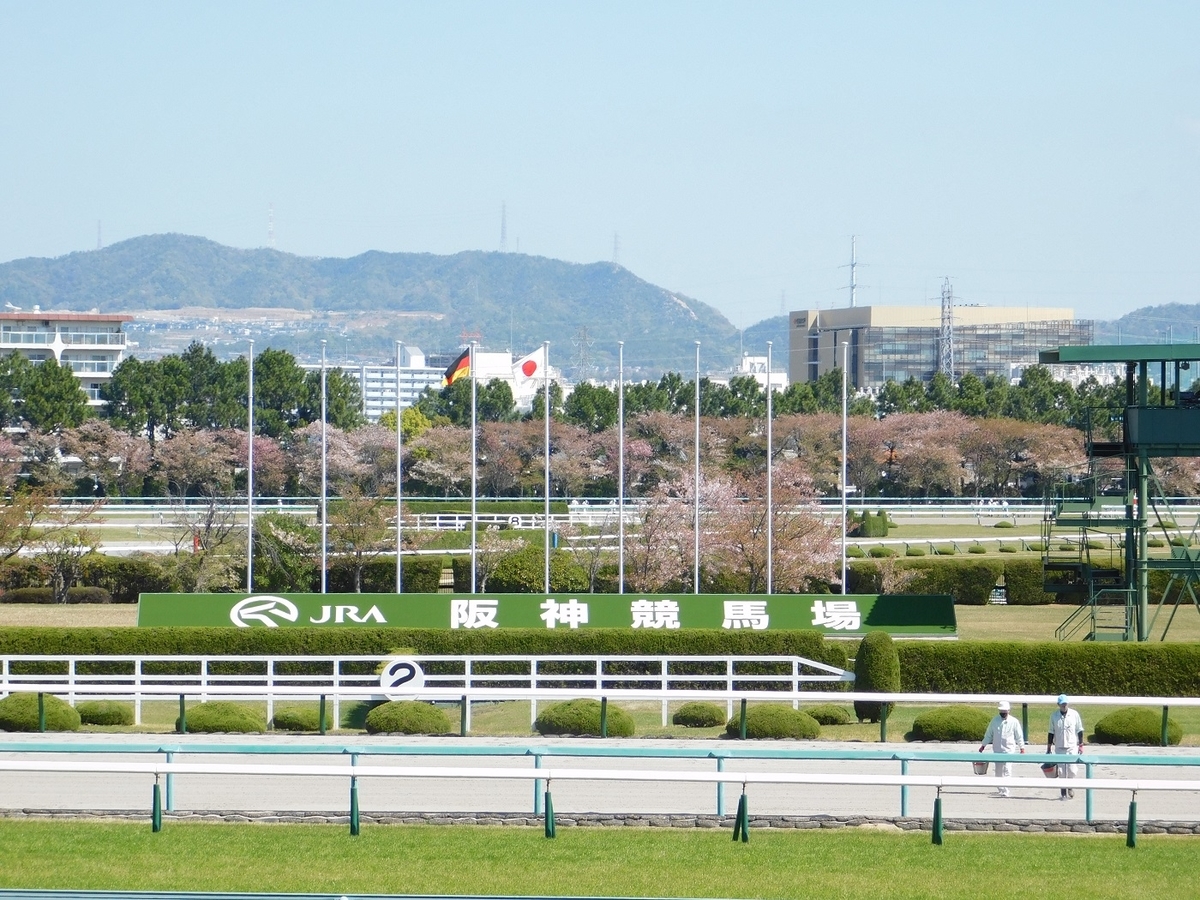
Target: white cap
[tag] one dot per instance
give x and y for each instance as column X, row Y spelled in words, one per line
column 1003, row 706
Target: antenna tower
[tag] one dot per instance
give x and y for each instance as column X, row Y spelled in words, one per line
column 853, row 267
column 583, row 362
column 616, row 248
column 783, row 303
column 271, row 225
column 946, row 341
column 503, row 227
column 99, row 243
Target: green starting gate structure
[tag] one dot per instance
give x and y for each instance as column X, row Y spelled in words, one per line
column 1097, row 530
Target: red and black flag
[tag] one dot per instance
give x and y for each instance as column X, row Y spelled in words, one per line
column 460, row 368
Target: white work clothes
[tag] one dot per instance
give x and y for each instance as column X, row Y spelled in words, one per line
column 1065, row 728
column 1005, row 735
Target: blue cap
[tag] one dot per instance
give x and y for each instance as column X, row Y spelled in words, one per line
column 1062, row 698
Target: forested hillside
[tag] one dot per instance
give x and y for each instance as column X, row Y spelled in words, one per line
column 507, row 299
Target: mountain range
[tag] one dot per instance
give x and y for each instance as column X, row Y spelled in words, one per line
column 503, row 300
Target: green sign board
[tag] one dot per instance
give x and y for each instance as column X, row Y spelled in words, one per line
column 833, row 614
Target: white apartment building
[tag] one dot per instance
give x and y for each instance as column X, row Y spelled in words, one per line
column 92, row 344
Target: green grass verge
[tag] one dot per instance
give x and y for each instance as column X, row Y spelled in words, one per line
column 597, row 862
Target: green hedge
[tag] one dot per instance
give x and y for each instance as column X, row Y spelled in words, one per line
column 46, row 595
column 876, row 670
column 968, row 581
column 1023, row 579
column 1048, row 667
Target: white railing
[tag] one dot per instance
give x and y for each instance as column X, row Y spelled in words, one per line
column 472, row 678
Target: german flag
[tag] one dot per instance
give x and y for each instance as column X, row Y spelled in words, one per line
column 460, row 368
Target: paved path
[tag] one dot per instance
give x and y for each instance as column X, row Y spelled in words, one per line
column 1038, row 801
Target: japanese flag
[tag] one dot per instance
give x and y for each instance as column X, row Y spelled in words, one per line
column 531, row 366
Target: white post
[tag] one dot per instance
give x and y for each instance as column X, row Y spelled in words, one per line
column 474, row 461
column 845, row 359
column 770, row 473
column 620, row 467
column 696, row 486
column 399, row 473
column 546, row 414
column 250, row 478
column 324, row 485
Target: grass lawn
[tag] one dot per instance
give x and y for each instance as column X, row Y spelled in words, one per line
column 593, row 862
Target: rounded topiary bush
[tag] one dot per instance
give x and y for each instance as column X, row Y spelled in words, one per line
column 977, row 548
column 1006, row 548
column 105, row 712
column 583, row 717
column 914, row 551
column 699, row 715
column 775, row 721
column 830, row 714
column 854, row 551
column 299, row 718
column 876, row 670
column 881, row 552
column 950, row 723
column 223, row 716
column 947, row 550
column 1004, row 523
column 407, row 717
column 19, row 712
column 1136, row 725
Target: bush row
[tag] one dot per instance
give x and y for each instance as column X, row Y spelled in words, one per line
column 968, row 581
column 1103, row 669
column 116, row 579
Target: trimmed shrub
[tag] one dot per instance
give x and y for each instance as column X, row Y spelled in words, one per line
column 105, row 712
column 914, row 551
column 223, row 716
column 1155, row 542
column 1136, row 725
column 829, row 714
column 946, row 550
column 1024, row 579
column 1007, row 548
column 407, row 717
column 524, row 572
column 1004, row 523
column 775, row 721
column 854, row 551
column 881, row 552
column 699, row 714
column 581, row 717
column 977, row 548
column 299, row 718
column 950, row 723
column 876, row 670
column 19, row 712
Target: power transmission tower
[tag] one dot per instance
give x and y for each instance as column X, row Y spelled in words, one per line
column 583, row 360
column 946, row 340
column 616, row 248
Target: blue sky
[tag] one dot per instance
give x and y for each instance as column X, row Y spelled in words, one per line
column 1037, row 154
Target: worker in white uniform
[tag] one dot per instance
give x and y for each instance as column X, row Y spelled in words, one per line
column 1066, row 737
column 1005, row 735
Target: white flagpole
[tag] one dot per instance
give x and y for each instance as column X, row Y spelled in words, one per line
column 845, row 359
column 474, row 461
column 696, row 486
column 324, row 484
column 620, row 467
column 250, row 478
column 546, row 415
column 399, row 472
column 770, row 474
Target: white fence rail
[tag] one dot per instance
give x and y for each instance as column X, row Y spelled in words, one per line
column 449, row 678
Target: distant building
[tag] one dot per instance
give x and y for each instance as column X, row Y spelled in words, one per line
column 901, row 342
column 92, row 344
column 756, row 367
column 418, row 372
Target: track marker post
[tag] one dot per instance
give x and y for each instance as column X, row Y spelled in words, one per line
column 1131, row 828
column 937, row 819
